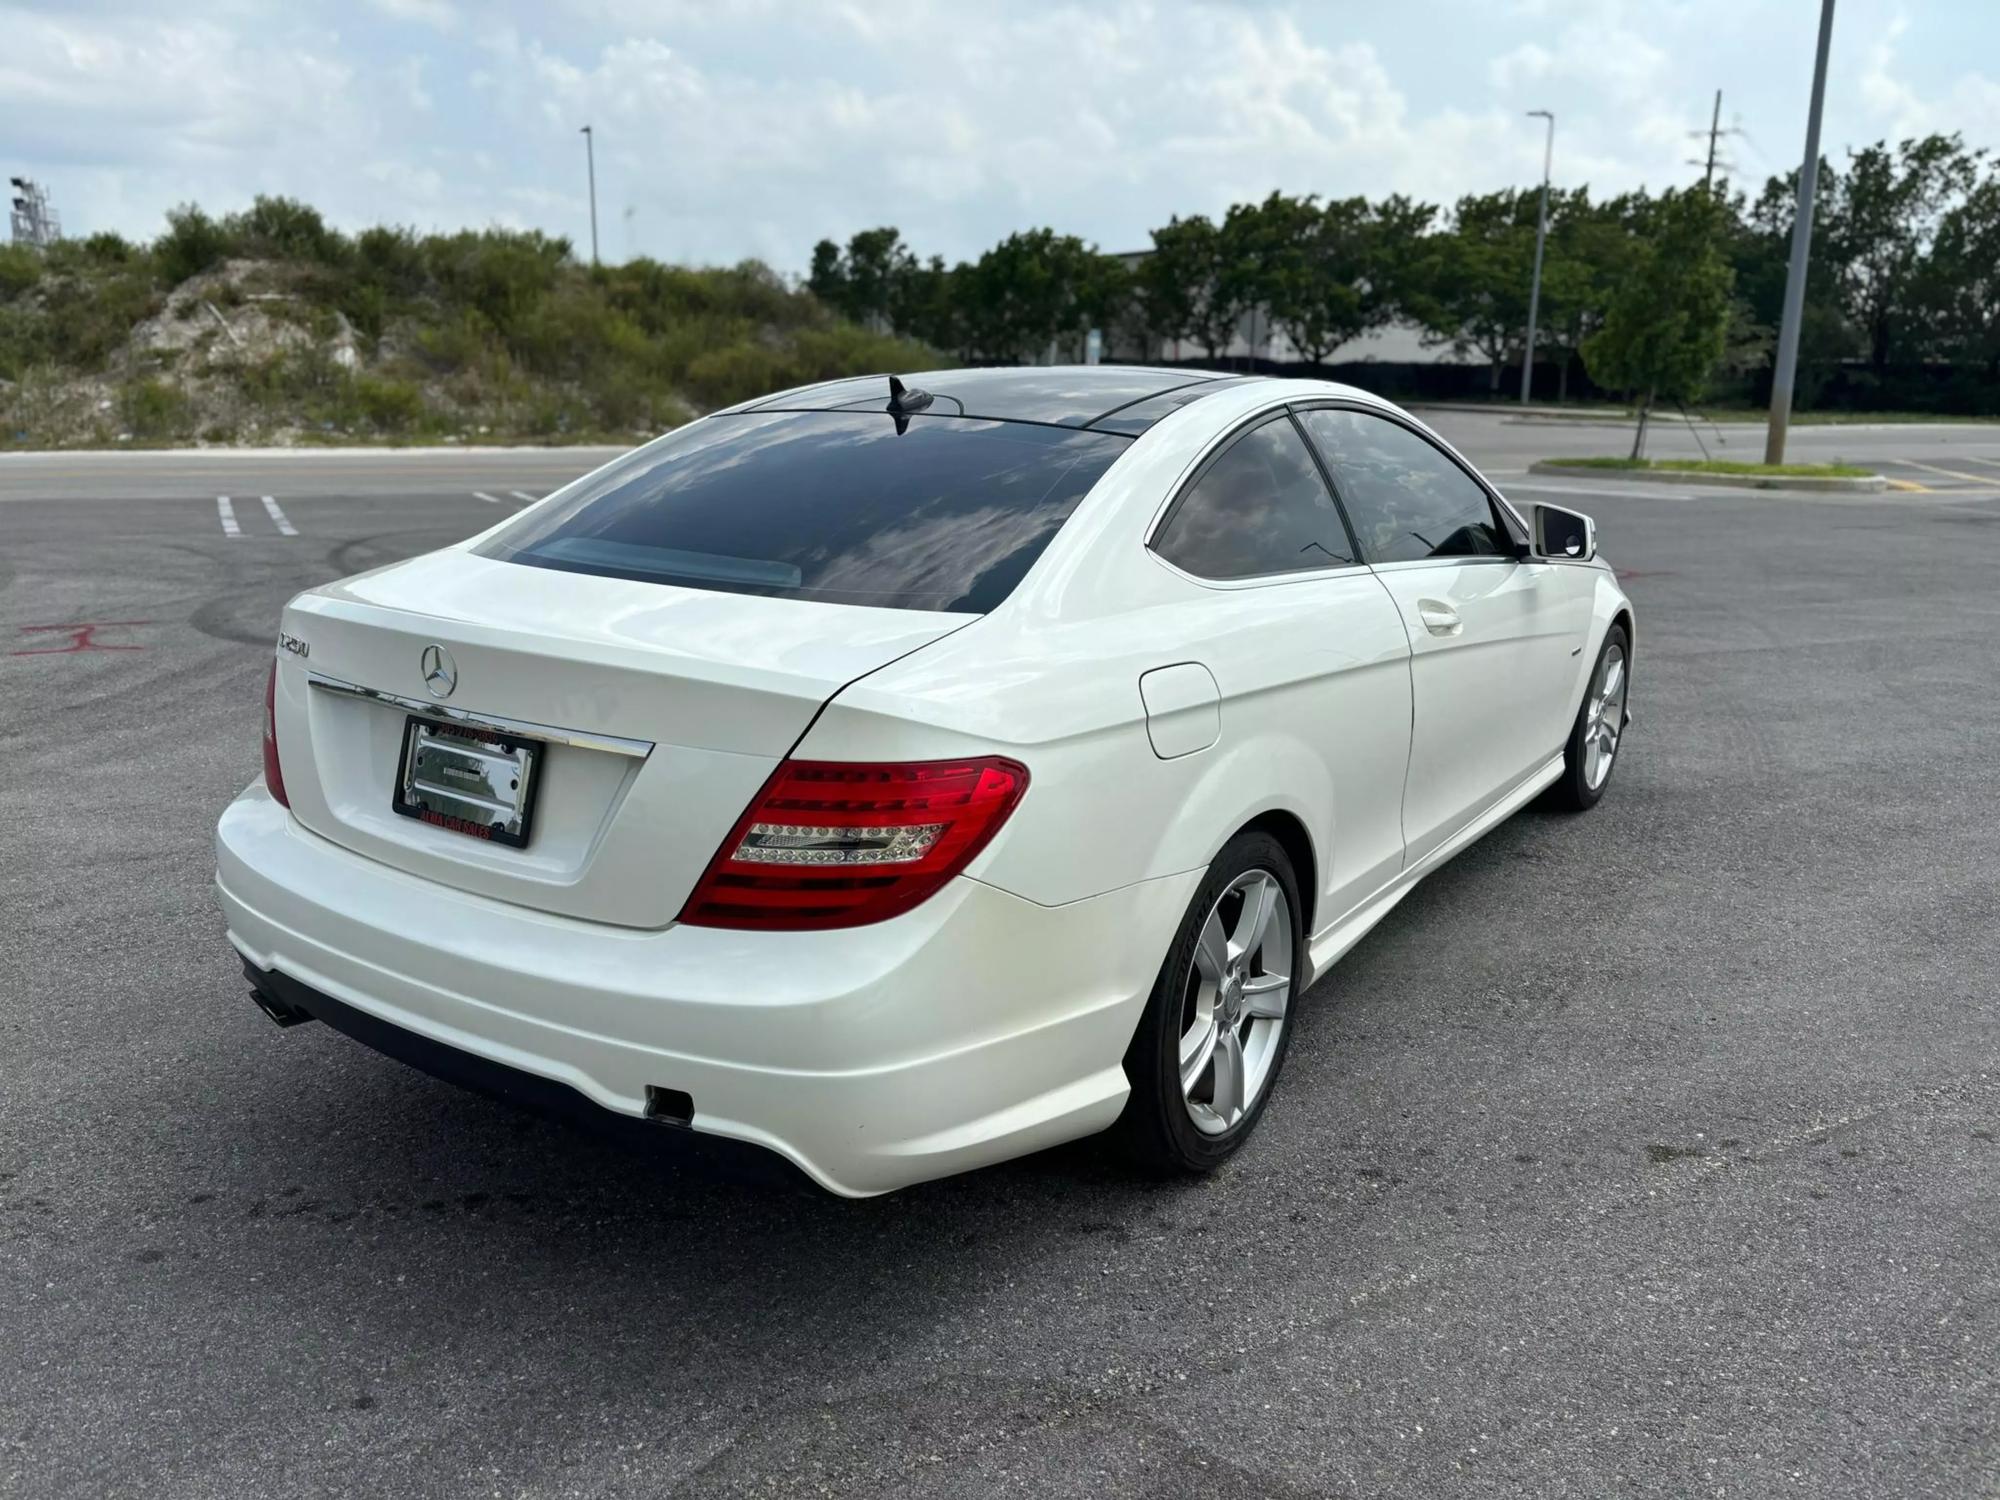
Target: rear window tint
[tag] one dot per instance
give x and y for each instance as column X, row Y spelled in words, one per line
column 833, row 506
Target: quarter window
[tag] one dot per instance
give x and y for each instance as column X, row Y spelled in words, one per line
column 1406, row 499
column 1259, row 508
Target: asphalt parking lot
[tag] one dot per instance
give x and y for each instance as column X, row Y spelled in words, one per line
column 1655, row 1151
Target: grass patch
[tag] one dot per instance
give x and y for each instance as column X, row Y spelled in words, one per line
column 1718, row 466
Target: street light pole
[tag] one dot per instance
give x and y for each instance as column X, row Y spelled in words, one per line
column 590, row 156
column 1541, row 237
column 1786, row 369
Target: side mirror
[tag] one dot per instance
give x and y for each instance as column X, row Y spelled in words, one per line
column 1564, row 534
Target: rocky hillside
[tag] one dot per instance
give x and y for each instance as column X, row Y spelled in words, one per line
column 267, row 327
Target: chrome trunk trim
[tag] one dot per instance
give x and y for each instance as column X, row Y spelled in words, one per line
column 583, row 740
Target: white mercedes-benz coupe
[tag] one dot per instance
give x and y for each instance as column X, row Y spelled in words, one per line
column 891, row 778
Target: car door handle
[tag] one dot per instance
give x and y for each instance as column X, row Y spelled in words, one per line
column 1439, row 618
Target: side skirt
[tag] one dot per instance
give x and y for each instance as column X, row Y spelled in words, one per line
column 1326, row 948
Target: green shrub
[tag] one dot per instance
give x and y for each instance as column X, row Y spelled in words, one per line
column 193, row 242
column 392, row 406
column 20, row 268
column 286, row 229
column 154, row 409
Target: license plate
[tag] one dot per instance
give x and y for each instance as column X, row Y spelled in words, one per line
column 471, row 781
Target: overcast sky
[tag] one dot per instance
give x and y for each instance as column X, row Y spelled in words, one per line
column 729, row 128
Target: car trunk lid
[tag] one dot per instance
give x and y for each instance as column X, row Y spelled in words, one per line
column 655, row 713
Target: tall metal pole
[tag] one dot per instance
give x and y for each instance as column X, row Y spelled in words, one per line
column 1714, row 129
column 590, row 156
column 1541, row 237
column 1795, row 277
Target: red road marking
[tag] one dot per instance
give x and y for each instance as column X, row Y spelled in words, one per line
column 82, row 637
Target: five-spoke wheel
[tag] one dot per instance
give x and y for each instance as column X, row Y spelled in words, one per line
column 1235, row 1001
column 1212, row 1040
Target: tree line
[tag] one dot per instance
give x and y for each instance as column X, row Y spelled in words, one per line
column 1677, row 292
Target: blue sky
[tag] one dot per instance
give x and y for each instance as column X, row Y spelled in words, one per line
column 730, row 128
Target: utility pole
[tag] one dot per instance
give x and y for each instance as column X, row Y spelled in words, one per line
column 1541, row 238
column 590, row 157
column 1786, row 369
column 1714, row 125
column 1715, row 133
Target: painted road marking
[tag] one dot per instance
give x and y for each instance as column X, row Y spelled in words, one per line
column 82, row 637
column 1908, row 486
column 1911, row 463
column 228, row 514
column 285, row 528
column 524, row 499
column 489, row 499
column 1974, row 458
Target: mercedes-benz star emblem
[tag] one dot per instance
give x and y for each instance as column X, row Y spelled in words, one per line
column 440, row 671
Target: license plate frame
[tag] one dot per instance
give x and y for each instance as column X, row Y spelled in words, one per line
column 450, row 776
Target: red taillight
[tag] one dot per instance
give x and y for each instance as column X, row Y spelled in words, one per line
column 274, row 774
column 840, row 843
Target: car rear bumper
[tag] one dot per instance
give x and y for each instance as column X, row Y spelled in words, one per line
column 977, row 1027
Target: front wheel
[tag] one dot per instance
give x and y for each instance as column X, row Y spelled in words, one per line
column 1600, row 727
column 1213, row 1037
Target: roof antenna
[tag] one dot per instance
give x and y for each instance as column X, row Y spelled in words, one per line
column 906, row 398
column 903, row 400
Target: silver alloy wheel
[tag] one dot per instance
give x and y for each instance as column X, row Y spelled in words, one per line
column 1604, row 717
column 1239, row 990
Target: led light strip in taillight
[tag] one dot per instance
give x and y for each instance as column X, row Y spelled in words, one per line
column 842, row 843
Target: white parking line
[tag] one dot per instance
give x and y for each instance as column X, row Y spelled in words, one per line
column 228, row 514
column 524, row 499
column 1639, row 491
column 1911, row 463
column 489, row 499
column 285, row 528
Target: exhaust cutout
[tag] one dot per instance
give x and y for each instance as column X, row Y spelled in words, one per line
column 278, row 1011
column 669, row 1106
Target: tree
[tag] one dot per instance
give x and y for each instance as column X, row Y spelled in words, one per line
column 859, row 282
column 1589, row 251
column 827, row 280
column 1666, row 327
column 1880, row 230
column 1474, row 295
column 1959, row 289
column 1030, row 291
column 1183, row 282
column 1171, row 282
column 1760, row 251
column 922, row 303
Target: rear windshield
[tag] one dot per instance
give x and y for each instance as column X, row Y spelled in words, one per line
column 835, row 506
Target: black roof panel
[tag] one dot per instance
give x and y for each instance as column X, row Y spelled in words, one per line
column 1060, row 395
column 1136, row 418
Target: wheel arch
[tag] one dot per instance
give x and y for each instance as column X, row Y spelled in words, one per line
column 1292, row 836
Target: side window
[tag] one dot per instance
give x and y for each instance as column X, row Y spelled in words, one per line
column 1406, row 499
column 1260, row 507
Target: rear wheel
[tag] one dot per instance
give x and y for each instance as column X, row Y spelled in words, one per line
column 1600, row 727
column 1210, row 1045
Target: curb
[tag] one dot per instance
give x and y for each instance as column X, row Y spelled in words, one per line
column 1866, row 484
column 1509, row 412
column 1568, row 419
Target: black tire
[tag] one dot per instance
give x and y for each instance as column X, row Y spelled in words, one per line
column 1573, row 792
column 1158, row 1127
